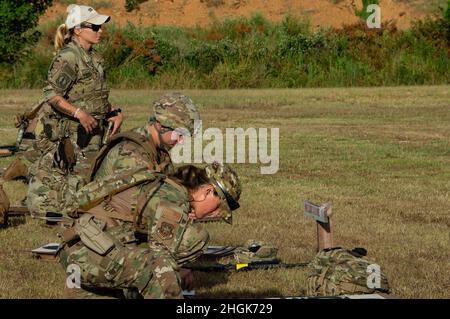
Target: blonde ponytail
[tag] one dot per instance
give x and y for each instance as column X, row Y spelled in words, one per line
column 62, row 37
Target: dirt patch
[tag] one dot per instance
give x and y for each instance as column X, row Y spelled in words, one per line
column 189, row 13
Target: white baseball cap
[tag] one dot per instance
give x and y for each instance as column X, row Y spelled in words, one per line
column 78, row 14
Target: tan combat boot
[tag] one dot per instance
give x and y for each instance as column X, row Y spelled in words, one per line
column 15, row 170
column 4, row 206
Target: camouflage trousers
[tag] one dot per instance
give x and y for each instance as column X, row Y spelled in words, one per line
column 149, row 271
column 50, row 189
column 30, row 150
column 52, row 192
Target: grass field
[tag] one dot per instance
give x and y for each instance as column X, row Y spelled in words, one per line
column 380, row 156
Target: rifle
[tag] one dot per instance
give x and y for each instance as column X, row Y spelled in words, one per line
column 22, row 121
column 272, row 264
column 13, row 211
column 191, row 294
column 50, row 217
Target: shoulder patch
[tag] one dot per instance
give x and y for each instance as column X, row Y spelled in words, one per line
column 165, row 230
column 62, row 75
column 169, row 224
column 169, row 212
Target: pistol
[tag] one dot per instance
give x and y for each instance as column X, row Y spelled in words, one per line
column 110, row 125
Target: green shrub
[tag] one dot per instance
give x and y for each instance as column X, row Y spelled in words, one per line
column 18, row 18
column 446, row 18
column 447, row 13
column 253, row 52
column 131, row 5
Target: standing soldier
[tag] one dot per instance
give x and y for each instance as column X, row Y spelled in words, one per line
column 80, row 111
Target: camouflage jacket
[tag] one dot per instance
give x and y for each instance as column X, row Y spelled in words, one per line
column 152, row 210
column 166, row 215
column 79, row 76
column 128, row 155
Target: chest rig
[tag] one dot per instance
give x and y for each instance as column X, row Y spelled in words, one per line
column 90, row 91
column 124, row 197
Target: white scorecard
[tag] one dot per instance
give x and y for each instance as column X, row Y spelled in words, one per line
column 316, row 212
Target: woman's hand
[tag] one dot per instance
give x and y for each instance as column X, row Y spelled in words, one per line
column 60, row 104
column 89, row 123
column 117, row 121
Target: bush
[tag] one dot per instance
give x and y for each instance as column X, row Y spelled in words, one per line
column 17, row 20
column 253, row 52
column 446, row 18
column 131, row 5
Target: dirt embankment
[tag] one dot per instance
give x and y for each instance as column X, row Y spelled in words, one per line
column 321, row 13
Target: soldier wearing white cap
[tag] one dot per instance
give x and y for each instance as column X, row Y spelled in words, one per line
column 76, row 80
column 80, row 112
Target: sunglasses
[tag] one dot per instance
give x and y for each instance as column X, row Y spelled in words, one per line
column 94, row 27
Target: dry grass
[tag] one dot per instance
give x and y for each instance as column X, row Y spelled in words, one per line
column 427, row 7
column 380, row 156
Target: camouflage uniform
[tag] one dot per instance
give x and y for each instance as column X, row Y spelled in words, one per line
column 337, row 271
column 126, row 155
column 79, row 77
column 30, row 142
column 174, row 111
column 151, row 271
column 153, row 213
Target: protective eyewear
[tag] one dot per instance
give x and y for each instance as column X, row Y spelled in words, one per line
column 94, row 27
column 232, row 203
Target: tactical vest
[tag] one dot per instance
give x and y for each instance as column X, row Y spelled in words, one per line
column 127, row 202
column 90, row 91
column 120, row 197
column 147, row 145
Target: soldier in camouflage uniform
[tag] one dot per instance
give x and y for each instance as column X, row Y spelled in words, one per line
column 158, row 211
column 28, row 146
column 76, row 122
column 78, row 95
column 174, row 116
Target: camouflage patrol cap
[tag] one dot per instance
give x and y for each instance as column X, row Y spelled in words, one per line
column 227, row 185
column 177, row 112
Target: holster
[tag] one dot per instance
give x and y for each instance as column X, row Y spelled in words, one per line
column 83, row 137
column 65, row 157
column 70, row 236
column 92, row 235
